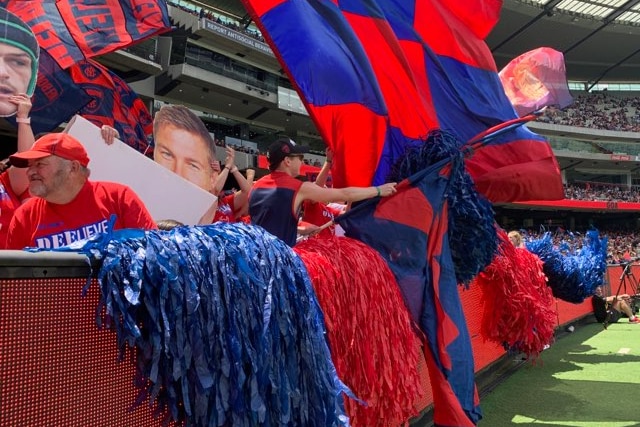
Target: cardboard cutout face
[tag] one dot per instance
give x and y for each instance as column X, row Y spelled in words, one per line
column 19, row 53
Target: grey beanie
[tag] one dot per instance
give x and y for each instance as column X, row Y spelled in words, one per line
column 14, row 32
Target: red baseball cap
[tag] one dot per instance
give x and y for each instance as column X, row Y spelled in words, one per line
column 53, row 144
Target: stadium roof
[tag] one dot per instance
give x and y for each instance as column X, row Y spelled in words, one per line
column 599, row 38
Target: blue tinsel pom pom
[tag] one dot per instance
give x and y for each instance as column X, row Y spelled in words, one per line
column 573, row 272
column 226, row 325
column 472, row 233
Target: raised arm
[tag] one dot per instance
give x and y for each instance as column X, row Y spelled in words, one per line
column 321, row 179
column 18, row 176
column 310, row 191
column 229, row 163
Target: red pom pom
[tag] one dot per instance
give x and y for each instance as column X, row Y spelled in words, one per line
column 372, row 342
column 517, row 303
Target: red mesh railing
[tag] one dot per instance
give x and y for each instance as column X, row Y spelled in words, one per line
column 56, row 367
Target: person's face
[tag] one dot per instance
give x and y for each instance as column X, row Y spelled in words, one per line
column 598, row 291
column 47, row 176
column 514, row 240
column 295, row 163
column 185, row 154
column 15, row 74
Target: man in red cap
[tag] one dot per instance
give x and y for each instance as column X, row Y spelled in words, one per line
column 66, row 206
column 275, row 200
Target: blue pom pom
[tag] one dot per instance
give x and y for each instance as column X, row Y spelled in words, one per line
column 472, row 234
column 226, row 324
column 573, row 272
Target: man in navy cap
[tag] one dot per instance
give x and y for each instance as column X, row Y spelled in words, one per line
column 275, row 200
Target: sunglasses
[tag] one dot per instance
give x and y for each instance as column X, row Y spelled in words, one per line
column 299, row 156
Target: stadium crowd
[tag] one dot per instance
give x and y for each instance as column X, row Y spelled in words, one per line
column 621, row 243
column 598, row 191
column 599, row 111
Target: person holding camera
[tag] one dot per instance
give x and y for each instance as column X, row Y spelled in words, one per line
column 610, row 309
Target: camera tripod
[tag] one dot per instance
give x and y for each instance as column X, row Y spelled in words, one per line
column 628, row 285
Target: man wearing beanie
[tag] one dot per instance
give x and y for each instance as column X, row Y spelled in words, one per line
column 66, row 206
column 19, row 53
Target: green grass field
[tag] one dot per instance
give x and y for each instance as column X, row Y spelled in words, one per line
column 589, row 378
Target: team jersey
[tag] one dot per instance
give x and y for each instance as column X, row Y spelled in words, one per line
column 226, row 209
column 319, row 214
column 271, row 205
column 49, row 225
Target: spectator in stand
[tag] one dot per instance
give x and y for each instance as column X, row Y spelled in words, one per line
column 516, row 239
column 232, row 206
column 274, row 202
column 65, row 206
column 610, row 309
column 320, row 214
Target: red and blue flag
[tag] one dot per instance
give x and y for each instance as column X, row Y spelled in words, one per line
column 113, row 103
column 71, row 30
column 415, row 244
column 377, row 75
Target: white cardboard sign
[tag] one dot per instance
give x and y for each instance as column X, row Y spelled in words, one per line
column 166, row 194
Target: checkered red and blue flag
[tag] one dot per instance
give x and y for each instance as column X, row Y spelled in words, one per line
column 377, row 75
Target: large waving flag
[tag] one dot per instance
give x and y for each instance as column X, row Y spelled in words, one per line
column 376, row 75
column 70, row 31
column 415, row 244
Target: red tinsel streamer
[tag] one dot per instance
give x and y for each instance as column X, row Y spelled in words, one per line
column 373, row 345
column 517, row 303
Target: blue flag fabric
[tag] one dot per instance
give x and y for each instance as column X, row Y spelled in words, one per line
column 415, row 244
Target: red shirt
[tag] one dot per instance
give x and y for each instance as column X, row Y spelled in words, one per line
column 50, row 225
column 319, row 214
column 9, row 202
column 226, row 209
